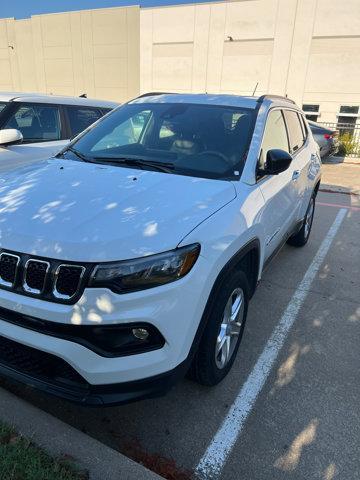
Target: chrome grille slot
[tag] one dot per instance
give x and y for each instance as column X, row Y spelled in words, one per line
column 67, row 281
column 47, row 279
column 8, row 269
column 35, row 276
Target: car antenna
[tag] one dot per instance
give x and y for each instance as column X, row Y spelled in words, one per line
column 257, row 83
column 83, row 95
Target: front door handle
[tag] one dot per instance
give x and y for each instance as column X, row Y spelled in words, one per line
column 295, row 175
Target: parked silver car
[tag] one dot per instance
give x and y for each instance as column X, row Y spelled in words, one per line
column 36, row 126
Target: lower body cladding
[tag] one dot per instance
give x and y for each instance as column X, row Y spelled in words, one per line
column 107, row 348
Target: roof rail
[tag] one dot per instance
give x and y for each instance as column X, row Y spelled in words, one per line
column 153, row 94
column 276, row 97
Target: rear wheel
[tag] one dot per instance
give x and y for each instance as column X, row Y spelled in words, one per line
column 301, row 238
column 224, row 330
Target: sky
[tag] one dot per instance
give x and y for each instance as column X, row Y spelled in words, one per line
column 26, row 8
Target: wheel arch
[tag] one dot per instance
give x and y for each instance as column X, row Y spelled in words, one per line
column 247, row 259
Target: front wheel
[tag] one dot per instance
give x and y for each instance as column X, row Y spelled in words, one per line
column 222, row 336
column 301, row 238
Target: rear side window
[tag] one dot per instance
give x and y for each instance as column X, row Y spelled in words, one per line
column 37, row 123
column 296, row 135
column 81, row 118
column 316, row 129
column 303, row 126
column 275, row 135
column 2, row 106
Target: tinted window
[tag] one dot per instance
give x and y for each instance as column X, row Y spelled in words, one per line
column 37, row 123
column 314, row 118
column 2, row 106
column 295, row 131
column 347, row 120
column 199, row 140
column 303, row 125
column 316, row 129
column 81, row 118
column 275, row 135
column 310, row 108
column 349, row 109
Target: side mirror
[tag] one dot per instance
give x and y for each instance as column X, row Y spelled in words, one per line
column 277, row 161
column 10, row 136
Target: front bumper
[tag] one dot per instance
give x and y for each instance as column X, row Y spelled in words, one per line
column 24, row 366
column 175, row 310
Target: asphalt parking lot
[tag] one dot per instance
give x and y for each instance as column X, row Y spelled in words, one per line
column 299, row 414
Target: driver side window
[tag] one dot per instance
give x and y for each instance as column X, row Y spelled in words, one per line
column 275, row 136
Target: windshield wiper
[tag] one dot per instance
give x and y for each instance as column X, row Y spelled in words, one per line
column 80, row 155
column 139, row 162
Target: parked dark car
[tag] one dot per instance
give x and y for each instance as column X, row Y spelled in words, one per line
column 327, row 139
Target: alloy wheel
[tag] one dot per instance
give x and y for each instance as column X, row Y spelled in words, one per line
column 309, row 218
column 230, row 328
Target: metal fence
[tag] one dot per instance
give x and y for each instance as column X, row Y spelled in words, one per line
column 349, row 138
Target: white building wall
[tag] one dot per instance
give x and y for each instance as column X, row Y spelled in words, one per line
column 90, row 51
column 306, row 49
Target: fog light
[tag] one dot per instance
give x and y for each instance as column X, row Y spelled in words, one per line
column 140, row 333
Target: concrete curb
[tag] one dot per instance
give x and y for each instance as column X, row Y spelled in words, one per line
column 58, row 438
column 339, row 160
column 336, row 189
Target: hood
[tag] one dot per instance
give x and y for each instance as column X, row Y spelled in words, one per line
column 79, row 211
column 16, row 156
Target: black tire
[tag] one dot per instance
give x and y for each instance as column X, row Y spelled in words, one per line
column 204, row 368
column 301, row 238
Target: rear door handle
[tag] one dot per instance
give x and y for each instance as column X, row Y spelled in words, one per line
column 295, row 175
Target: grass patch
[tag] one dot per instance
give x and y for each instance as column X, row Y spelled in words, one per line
column 20, row 459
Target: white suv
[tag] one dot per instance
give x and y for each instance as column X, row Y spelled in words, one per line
column 36, row 126
column 130, row 258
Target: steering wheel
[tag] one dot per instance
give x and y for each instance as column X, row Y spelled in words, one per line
column 214, row 153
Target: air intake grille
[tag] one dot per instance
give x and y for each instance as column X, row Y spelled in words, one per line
column 48, row 279
column 35, row 275
column 68, row 279
column 36, row 363
column 8, row 268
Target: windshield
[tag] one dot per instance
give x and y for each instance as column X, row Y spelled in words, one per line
column 198, row 140
column 2, row 106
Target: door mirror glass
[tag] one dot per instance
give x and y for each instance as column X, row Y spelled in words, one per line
column 277, row 161
column 10, row 136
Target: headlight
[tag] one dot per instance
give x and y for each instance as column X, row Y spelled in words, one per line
column 146, row 272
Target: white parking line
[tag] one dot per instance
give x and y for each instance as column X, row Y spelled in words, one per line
column 214, row 459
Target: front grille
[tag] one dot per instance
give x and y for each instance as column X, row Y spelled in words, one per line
column 38, row 364
column 8, row 268
column 35, row 275
column 48, row 279
column 68, row 278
